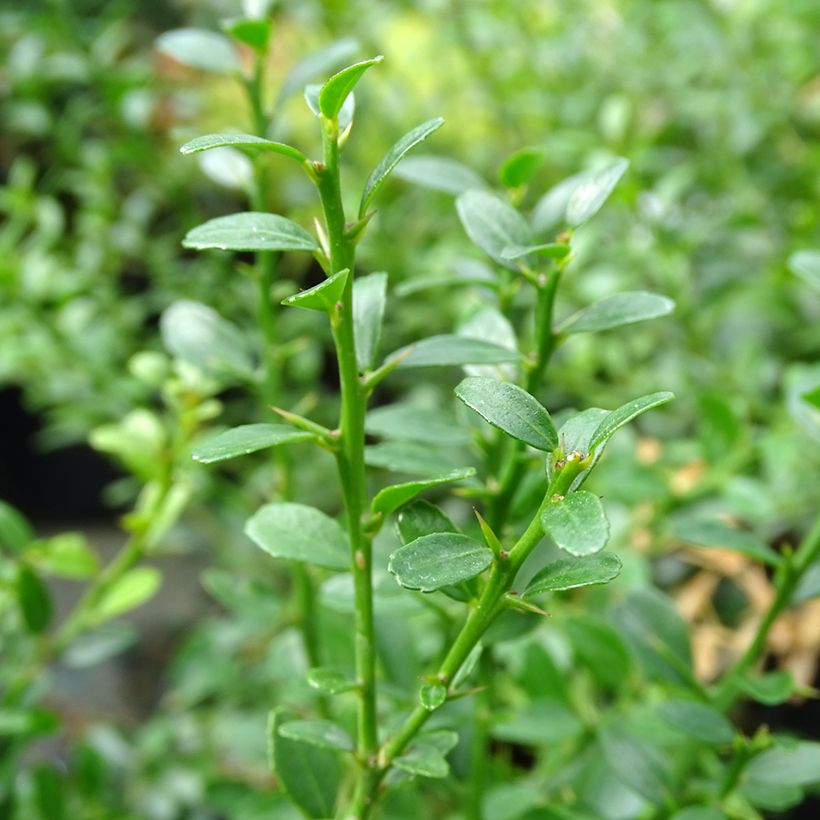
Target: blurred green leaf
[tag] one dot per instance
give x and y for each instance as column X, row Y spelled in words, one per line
column 697, row 720
column 617, row 310
column 253, row 33
column 200, row 48
column 407, row 422
column 796, row 764
column 322, row 733
column 639, row 764
column 15, row 531
column 493, row 225
column 518, row 168
column 300, row 533
column 599, row 647
column 592, row 192
column 771, row 688
column 34, row 600
column 133, row 589
column 241, row 141
column 543, row 722
column 67, row 555
column 806, row 265
column 439, row 173
column 423, row 761
column 329, row 681
column 715, row 534
column 450, row 350
column 369, row 297
column 316, row 65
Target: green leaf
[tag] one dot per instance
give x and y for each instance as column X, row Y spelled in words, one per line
column 773, row 688
column 322, row 733
column 346, row 112
column 617, row 310
column 316, row 65
column 625, row 413
column 406, row 422
column 67, row 555
column 440, row 174
column 369, row 297
column 550, row 211
column 423, row 761
column 393, row 157
column 450, row 350
column 432, row 695
column 329, row 681
column 199, row 48
column 806, row 265
column 34, row 600
column 132, row 590
column 808, row 587
column 391, row 498
column 542, row 722
column 322, row 297
column 493, row 225
column 600, row 648
column 715, row 534
column 300, row 533
column 240, row 141
column 589, row 196
column 570, row 573
column 250, row 231
column 410, row 457
column 577, row 524
column 793, row 765
column 697, row 720
column 576, row 433
column 511, row 409
column 197, row 334
column 309, row 774
column 698, row 813
column 438, row 560
column 637, row 762
column 100, row 644
column 253, row 33
column 15, row 531
column 519, row 167
column 334, row 92
column 422, row 518
column 553, row 250
column 657, row 634
column 442, row 740
column 248, row 438
column 466, row 668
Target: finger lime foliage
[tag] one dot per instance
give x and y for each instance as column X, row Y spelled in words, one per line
column 300, row 533
column 394, row 157
column 452, row 350
column 322, row 297
column 247, row 142
column 391, row 498
column 615, row 311
column 441, row 559
column 250, row 231
column 577, row 523
column 369, row 299
column 335, row 91
column 592, row 192
column 200, row 48
column 569, row 573
column 248, row 438
column 439, row 173
column 613, row 421
column 510, row 409
column 493, row 225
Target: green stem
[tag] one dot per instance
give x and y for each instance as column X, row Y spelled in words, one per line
column 792, row 570
column 351, row 467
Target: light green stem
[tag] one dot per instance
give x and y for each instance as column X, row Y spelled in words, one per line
column 351, row 467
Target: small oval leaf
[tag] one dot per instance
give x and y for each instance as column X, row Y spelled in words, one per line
column 438, row 560
column 510, row 409
column 369, row 298
column 33, row 599
column 300, row 533
column 697, row 720
column 335, row 91
column 577, row 524
column 200, row 48
column 440, row 174
column 322, row 733
column 132, row 590
column 517, row 169
column 707, row 533
column 250, row 231
column 451, row 350
column 570, row 573
column 247, row 438
column 393, row 157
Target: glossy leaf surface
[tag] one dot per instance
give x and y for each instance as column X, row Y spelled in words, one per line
column 322, row 297
column 570, row 573
column 493, row 225
column 248, row 438
column 369, row 298
column 241, row 141
column 334, row 92
column 510, row 409
column 577, row 524
column 391, row 498
column 300, row 533
column 438, row 560
column 250, row 231
column 393, row 157
column 613, row 421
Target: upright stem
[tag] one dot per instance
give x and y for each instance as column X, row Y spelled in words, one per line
column 351, row 467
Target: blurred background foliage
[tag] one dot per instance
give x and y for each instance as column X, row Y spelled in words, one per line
column 716, row 104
